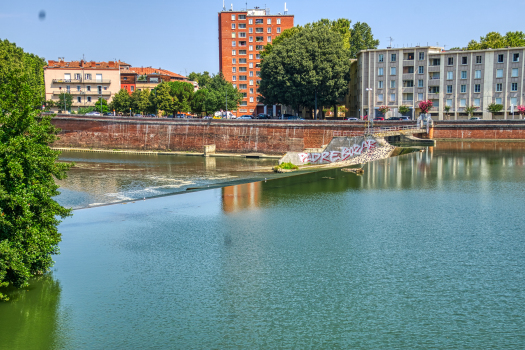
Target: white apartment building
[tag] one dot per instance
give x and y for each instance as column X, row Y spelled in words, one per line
column 458, row 79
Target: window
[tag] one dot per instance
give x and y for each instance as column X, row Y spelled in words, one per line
column 242, row 43
column 393, row 57
column 449, row 102
column 250, row 65
column 132, row 88
column 87, row 76
column 463, row 89
column 233, row 35
column 450, row 75
column 242, row 52
column 433, row 89
column 233, row 17
column 409, row 70
column 464, row 60
column 259, row 38
column 234, row 52
column 421, row 56
column 251, row 91
column 408, row 83
column 420, row 83
column 380, row 84
column 392, row 70
column 243, row 77
column 233, row 43
column 243, row 103
column 435, row 62
column 477, row 87
column 234, row 78
column 251, row 82
column 250, row 48
column 67, row 77
column 514, row 87
column 78, row 76
column 478, row 59
column 79, row 99
column 278, row 21
column 269, row 21
column 234, row 69
column 250, row 21
column 242, row 35
column 250, row 39
column 392, row 97
column 449, row 89
column 392, row 84
column 420, row 96
column 88, row 88
column 269, row 30
column 259, row 30
column 257, row 56
column 89, row 98
column 250, row 30
column 477, row 74
column 251, row 98
column 242, row 25
column 233, row 25
column 242, row 16
column 243, row 87
column 514, row 101
column 269, row 39
column 499, row 73
column 462, row 102
column 463, row 74
column 380, row 98
column 516, row 57
column 421, row 70
column 251, row 73
column 477, row 102
column 259, row 21
column 78, row 88
column 451, row 61
column 515, row 72
column 242, row 60
column 380, row 59
column 278, row 30
column 259, row 47
column 380, row 71
column 498, row 100
column 499, row 87
column 500, row 58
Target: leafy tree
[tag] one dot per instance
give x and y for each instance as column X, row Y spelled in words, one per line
column 141, row 101
column 102, row 109
column 203, row 79
column 288, row 33
column 183, row 94
column 404, row 109
column 121, row 102
column 49, row 104
column 361, row 38
column 494, row 108
column 28, row 168
column 494, row 40
column 311, row 63
column 425, row 106
column 163, row 99
column 446, row 109
column 198, row 104
column 470, row 110
column 65, row 101
column 85, row 110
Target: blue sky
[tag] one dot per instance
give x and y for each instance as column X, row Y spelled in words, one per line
column 181, row 36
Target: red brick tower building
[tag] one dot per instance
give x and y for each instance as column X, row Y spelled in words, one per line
column 242, row 35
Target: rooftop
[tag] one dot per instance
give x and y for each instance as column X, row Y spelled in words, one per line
column 150, row 70
column 85, row 64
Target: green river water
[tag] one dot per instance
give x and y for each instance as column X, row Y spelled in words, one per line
column 424, row 251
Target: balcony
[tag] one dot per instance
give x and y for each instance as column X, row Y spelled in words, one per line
column 434, row 68
column 434, row 81
column 408, row 63
column 76, row 92
column 81, row 81
column 408, row 76
column 408, row 102
column 408, row 89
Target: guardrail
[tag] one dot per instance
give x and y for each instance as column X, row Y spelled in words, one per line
column 378, row 131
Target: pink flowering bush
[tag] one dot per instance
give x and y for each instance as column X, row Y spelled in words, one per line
column 521, row 110
column 425, row 106
column 384, row 109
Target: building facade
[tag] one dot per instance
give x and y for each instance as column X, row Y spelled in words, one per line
column 148, row 78
column 242, row 35
column 452, row 80
column 85, row 81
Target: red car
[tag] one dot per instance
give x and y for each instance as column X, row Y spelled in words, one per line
column 379, row 118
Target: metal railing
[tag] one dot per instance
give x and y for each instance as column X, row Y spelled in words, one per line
column 76, row 92
column 379, row 131
column 81, row 81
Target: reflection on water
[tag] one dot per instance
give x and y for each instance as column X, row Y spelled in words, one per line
column 30, row 319
column 100, row 178
column 422, row 251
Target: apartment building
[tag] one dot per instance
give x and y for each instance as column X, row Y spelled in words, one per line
column 242, row 35
column 148, row 77
column 85, row 81
column 457, row 79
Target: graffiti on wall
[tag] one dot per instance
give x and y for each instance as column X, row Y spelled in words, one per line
column 337, row 156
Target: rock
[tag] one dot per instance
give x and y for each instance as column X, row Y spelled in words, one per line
column 358, row 171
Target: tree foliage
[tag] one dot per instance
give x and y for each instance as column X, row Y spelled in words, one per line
column 28, row 167
column 494, row 108
column 203, row 79
column 313, row 61
column 361, row 38
column 121, row 102
column 65, row 101
column 102, row 109
column 494, row 40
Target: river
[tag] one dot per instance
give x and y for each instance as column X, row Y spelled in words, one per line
column 424, row 250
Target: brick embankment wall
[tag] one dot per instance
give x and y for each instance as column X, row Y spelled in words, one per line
column 269, row 137
column 480, row 130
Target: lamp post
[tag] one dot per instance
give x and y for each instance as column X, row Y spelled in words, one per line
column 369, row 119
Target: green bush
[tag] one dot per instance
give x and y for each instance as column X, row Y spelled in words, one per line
column 288, row 166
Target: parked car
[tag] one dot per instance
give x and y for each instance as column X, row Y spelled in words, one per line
column 217, row 117
column 352, row 118
column 379, row 118
column 394, row 118
column 109, row 114
column 263, row 116
column 94, row 113
column 404, row 118
column 293, row 117
column 150, row 116
column 246, row 116
column 285, row 116
column 475, row 118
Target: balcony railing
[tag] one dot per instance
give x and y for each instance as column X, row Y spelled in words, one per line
column 81, row 81
column 408, row 102
column 82, row 92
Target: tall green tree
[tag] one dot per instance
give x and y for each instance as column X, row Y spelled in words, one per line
column 163, row 99
column 198, row 104
column 312, row 62
column 361, row 38
column 494, row 40
column 183, row 95
column 29, row 215
column 201, row 78
column 121, row 102
column 65, row 101
column 221, row 91
column 101, row 105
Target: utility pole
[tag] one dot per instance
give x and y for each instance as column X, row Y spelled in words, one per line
column 315, row 112
column 226, row 93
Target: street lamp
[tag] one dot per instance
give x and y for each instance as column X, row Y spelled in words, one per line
column 370, row 120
